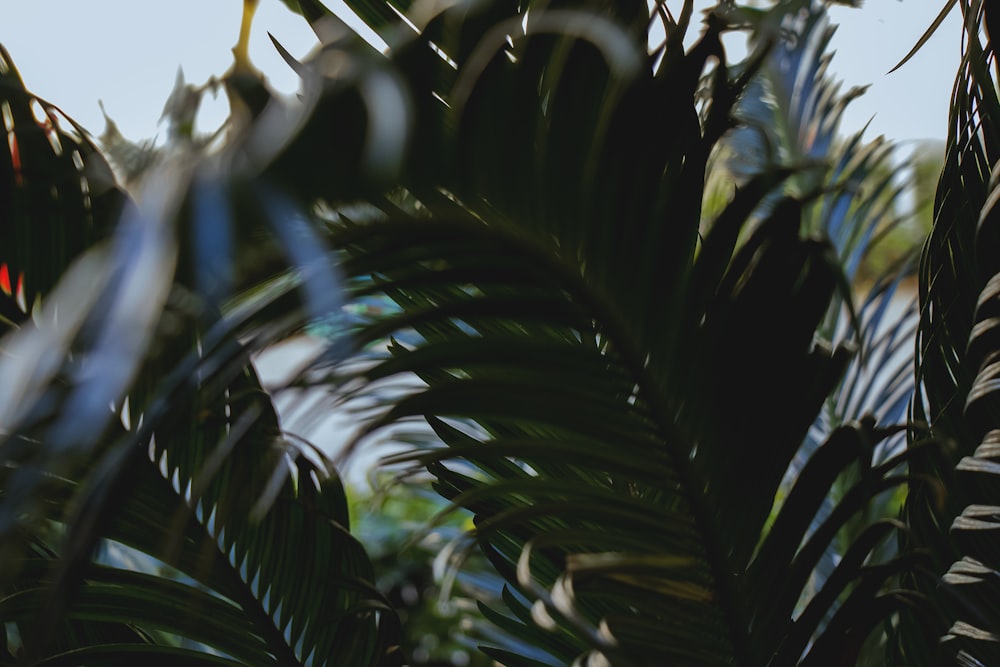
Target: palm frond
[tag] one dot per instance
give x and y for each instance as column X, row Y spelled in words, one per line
column 275, row 576
column 580, row 346
column 791, row 115
column 54, row 183
column 954, row 365
column 176, row 487
column 132, row 414
column 616, row 389
column 566, row 454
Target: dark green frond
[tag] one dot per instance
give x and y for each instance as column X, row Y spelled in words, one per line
column 57, row 195
column 956, row 347
column 194, row 470
column 580, row 346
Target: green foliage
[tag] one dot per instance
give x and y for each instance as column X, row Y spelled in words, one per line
column 623, row 282
column 409, row 537
column 550, row 357
column 952, row 510
column 133, row 417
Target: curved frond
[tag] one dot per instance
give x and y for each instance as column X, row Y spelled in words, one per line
column 57, row 195
column 131, row 413
column 619, row 397
column 579, row 470
column 956, row 349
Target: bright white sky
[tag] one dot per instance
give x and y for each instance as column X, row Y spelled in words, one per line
column 126, row 53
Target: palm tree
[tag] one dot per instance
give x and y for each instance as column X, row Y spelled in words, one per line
column 952, row 510
column 624, row 389
column 134, row 425
column 556, row 465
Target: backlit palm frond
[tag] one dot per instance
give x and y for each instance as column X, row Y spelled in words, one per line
column 953, row 261
column 791, row 115
column 618, row 401
column 976, row 118
column 203, row 481
column 264, row 579
column 581, row 500
column 54, row 183
column 131, row 416
column 952, row 513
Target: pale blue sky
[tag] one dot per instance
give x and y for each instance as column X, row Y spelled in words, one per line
column 126, row 53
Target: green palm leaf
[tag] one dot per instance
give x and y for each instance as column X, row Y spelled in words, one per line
column 616, row 383
column 204, row 482
column 791, row 114
column 547, row 409
column 54, row 184
column 246, row 567
column 579, row 346
column 200, row 478
column 955, row 347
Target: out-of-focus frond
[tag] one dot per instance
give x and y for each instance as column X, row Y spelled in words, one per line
column 131, row 413
column 57, row 195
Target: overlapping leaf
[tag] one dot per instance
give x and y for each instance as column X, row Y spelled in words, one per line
column 200, row 478
column 792, row 115
column 625, row 399
column 956, row 364
column 57, row 194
